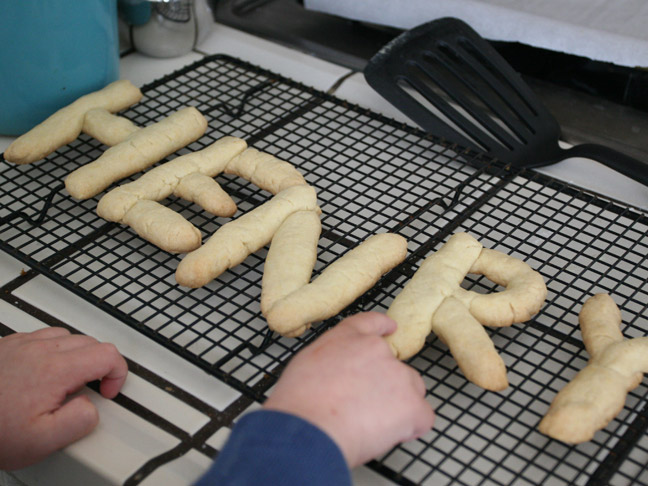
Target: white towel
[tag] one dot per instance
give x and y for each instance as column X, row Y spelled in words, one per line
column 603, row 30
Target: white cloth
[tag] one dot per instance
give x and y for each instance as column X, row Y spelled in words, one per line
column 613, row 31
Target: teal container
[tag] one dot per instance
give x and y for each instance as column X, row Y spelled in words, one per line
column 51, row 53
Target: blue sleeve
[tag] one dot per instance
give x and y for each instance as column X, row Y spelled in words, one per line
column 276, row 449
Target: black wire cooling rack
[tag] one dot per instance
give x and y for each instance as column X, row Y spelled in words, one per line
column 372, row 175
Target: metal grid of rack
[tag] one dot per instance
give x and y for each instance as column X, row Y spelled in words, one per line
column 372, row 175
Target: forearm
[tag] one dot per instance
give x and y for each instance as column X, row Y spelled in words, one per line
column 280, row 448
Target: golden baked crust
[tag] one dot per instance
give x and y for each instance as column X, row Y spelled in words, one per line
column 142, row 149
column 189, row 176
column 434, row 301
column 234, row 241
column 162, row 226
column 109, row 129
column 290, row 260
column 65, row 125
column 342, row 282
column 265, row 171
column 598, row 392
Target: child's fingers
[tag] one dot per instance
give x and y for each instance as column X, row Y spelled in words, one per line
column 373, row 323
column 50, row 333
column 102, row 362
column 72, row 421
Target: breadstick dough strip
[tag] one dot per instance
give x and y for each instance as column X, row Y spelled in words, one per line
column 598, row 392
column 163, row 227
column 109, row 129
column 65, row 125
column 438, row 277
column 206, row 193
column 138, row 152
column 600, row 323
column 234, row 241
column 602, row 327
column 162, row 181
column 524, row 295
column 342, row 282
column 291, row 257
column 470, row 345
column 585, row 405
column 265, row 171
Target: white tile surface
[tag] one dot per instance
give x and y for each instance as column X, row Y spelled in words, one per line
column 131, row 440
column 181, row 472
column 48, row 296
column 218, row 440
column 166, row 406
column 5, row 142
column 121, row 444
column 140, row 69
column 10, row 268
column 596, row 177
column 18, row 320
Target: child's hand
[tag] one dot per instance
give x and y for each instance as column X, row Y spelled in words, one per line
column 350, row 385
column 38, row 371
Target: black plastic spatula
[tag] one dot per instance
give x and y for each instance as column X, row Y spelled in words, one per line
column 455, row 85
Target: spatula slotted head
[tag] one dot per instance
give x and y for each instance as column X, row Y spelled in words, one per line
column 456, row 86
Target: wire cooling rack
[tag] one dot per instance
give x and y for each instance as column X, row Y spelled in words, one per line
column 372, row 175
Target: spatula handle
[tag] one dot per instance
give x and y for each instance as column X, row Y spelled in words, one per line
column 626, row 165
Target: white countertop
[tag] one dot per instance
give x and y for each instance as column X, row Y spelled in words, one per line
column 130, row 440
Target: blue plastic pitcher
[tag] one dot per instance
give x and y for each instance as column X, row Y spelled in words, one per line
column 51, row 53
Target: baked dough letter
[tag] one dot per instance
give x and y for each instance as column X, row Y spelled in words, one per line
column 65, row 125
column 598, row 392
column 342, row 282
column 433, row 301
column 265, row 171
column 234, row 241
column 142, row 149
column 291, row 258
column 189, row 176
column 109, row 129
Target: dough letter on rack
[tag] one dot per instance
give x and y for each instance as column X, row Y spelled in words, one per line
column 66, row 124
column 189, row 176
column 290, row 313
column 433, row 301
column 234, row 241
column 139, row 151
column 598, row 392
